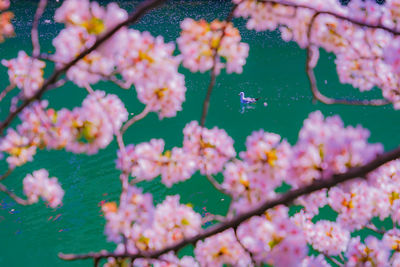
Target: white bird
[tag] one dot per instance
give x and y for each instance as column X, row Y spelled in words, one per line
column 246, row 100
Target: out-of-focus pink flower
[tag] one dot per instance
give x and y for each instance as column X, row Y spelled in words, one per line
column 40, row 185
column 199, row 41
column 25, row 72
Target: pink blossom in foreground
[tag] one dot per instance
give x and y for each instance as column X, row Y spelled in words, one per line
column 146, row 161
column 172, row 223
column 38, row 184
column 85, row 20
column 212, row 148
column 312, row 261
column 328, row 237
column 25, row 72
column 92, row 126
column 167, row 260
column 220, row 249
column 274, row 239
column 18, row 147
column 135, row 207
column 200, row 39
column 326, row 147
column 148, row 63
column 372, row 253
column 267, row 157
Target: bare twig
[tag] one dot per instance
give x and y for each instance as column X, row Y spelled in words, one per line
column 133, row 17
column 335, row 261
column 213, row 217
column 5, row 175
column 245, row 249
column 217, row 185
column 134, row 119
column 6, row 91
column 11, row 194
column 331, row 181
column 34, row 32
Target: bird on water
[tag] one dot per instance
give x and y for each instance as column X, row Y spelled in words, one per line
column 246, row 100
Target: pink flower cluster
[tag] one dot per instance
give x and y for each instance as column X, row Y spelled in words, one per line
column 6, row 28
column 365, row 57
column 274, row 239
column 264, row 167
column 146, row 161
column 39, row 184
column 210, row 148
column 200, row 40
column 25, row 73
column 85, row 129
column 325, row 147
column 145, row 227
column 142, row 60
column 148, row 63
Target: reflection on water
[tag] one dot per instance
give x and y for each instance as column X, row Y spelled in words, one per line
column 244, row 107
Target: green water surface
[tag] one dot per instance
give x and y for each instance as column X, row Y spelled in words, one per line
column 275, row 72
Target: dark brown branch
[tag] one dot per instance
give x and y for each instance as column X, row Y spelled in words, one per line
column 333, row 180
column 214, row 74
column 34, row 32
column 354, row 21
column 16, row 198
column 4, row 176
column 133, row 17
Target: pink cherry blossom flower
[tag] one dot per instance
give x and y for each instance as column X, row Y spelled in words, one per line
column 38, row 184
column 25, row 72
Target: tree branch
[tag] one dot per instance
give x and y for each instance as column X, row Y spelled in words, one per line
column 217, row 185
column 313, row 81
column 34, row 32
column 6, row 91
column 16, row 198
column 331, row 181
column 214, row 74
column 133, row 17
column 134, row 119
column 5, row 175
column 327, row 100
column 354, row 21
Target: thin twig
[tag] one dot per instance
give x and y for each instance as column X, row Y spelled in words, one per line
column 217, row 185
column 6, row 91
column 5, row 175
column 34, row 32
column 212, row 217
column 245, row 249
column 134, row 119
column 335, row 261
column 331, row 181
column 133, row 17
column 16, row 198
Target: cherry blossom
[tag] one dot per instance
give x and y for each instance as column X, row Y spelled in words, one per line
column 25, row 72
column 38, row 184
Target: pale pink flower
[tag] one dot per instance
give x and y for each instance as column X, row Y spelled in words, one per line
column 199, row 41
column 19, row 148
column 212, row 148
column 372, row 253
column 38, row 184
column 25, row 72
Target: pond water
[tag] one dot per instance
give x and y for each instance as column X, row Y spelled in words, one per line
column 275, row 72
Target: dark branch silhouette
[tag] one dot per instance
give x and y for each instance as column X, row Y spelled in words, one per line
column 285, row 199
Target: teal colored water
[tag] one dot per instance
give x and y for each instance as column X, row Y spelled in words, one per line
column 275, row 72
